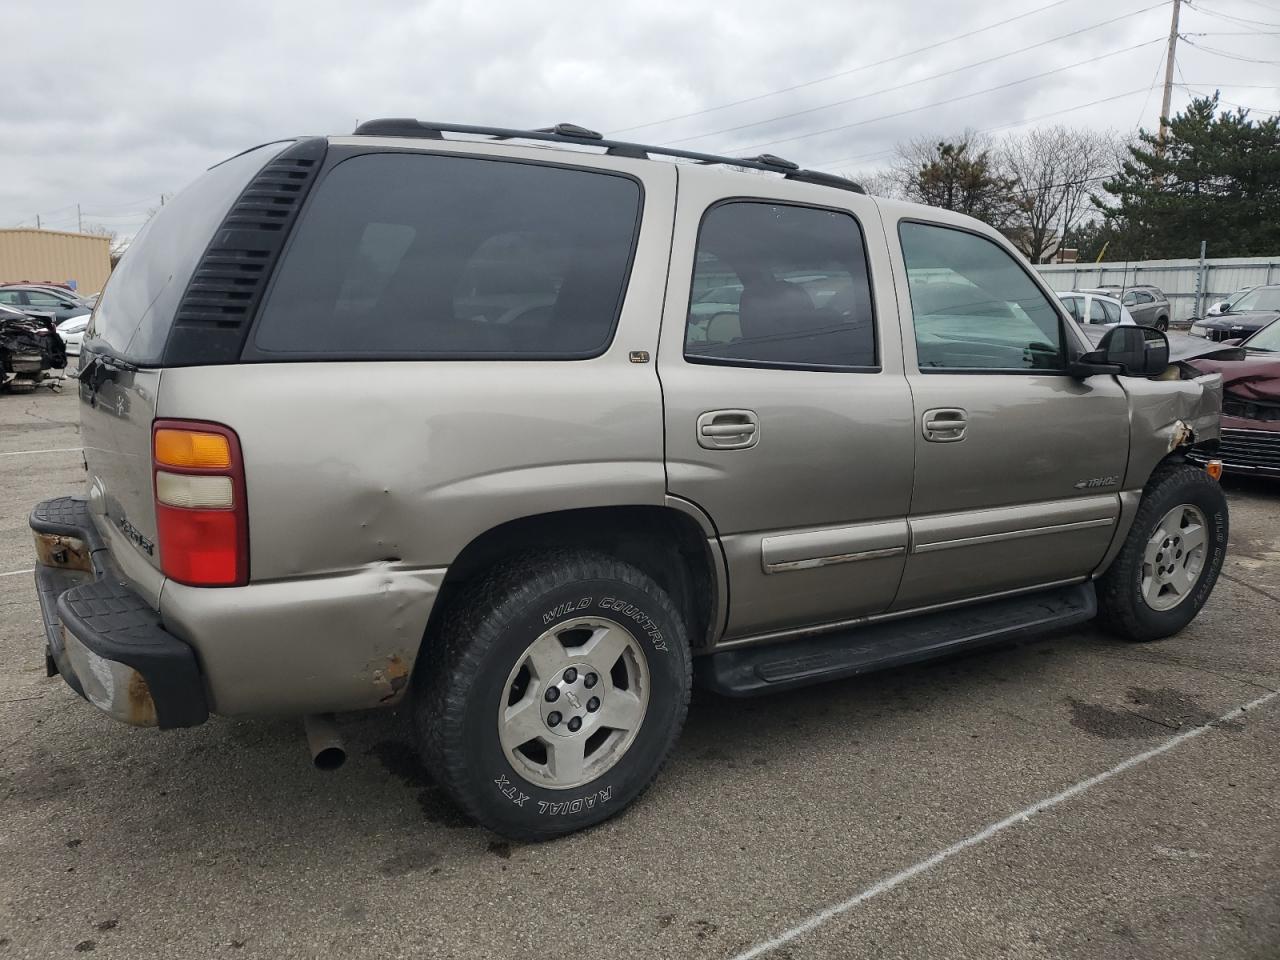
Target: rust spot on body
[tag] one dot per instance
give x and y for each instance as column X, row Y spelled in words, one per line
column 66, row 553
column 392, row 679
column 142, row 708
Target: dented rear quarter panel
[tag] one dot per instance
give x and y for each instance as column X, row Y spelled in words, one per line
column 351, row 464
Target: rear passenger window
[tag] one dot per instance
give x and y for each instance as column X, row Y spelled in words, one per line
column 781, row 286
column 452, row 257
column 974, row 306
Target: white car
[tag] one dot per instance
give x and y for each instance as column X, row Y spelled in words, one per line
column 1096, row 310
column 1227, row 305
column 72, row 333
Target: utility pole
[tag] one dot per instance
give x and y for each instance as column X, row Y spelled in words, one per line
column 37, row 221
column 80, row 219
column 1168, row 77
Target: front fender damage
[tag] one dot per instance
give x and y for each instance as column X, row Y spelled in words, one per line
column 1167, row 416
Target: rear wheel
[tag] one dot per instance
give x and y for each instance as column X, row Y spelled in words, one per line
column 1162, row 324
column 1171, row 557
column 553, row 693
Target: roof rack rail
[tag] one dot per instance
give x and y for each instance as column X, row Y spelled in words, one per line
column 572, row 133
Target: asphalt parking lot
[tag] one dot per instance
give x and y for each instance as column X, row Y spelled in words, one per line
column 869, row 799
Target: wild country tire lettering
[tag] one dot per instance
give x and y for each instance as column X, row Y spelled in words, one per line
column 642, row 619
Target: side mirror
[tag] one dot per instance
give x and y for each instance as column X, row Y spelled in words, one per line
column 1127, row 351
column 1220, row 308
column 1233, row 342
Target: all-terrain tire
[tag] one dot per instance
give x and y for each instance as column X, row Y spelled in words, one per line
column 462, row 680
column 1122, row 606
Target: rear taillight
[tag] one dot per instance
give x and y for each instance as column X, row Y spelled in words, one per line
column 201, row 516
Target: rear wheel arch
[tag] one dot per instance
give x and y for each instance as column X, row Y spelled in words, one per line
column 670, row 543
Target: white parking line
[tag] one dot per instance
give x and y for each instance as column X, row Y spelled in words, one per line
column 1022, row 816
column 23, row 453
column 14, row 573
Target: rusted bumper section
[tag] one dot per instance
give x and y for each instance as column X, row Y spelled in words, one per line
column 105, row 640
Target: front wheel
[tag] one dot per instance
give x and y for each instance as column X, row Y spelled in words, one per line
column 1171, row 557
column 553, row 693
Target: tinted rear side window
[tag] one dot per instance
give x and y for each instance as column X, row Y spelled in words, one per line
column 413, row 255
column 780, row 285
column 136, row 310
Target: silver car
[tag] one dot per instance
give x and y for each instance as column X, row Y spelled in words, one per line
column 1148, row 304
column 439, row 416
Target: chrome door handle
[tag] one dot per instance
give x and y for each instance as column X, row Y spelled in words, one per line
column 728, row 429
column 944, row 424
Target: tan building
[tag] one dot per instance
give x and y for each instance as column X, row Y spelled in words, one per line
column 52, row 256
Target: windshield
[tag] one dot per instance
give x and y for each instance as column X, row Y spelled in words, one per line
column 1268, row 338
column 1263, row 298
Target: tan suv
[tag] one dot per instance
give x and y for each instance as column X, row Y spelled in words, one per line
column 528, row 429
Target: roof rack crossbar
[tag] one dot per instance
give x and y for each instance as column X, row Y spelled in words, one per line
column 571, row 133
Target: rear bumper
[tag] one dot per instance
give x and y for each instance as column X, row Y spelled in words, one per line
column 105, row 640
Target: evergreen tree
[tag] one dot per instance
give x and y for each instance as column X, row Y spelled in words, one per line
column 1218, row 180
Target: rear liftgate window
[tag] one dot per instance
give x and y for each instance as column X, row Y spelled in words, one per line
column 410, row 255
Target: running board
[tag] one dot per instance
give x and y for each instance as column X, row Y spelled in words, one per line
column 783, row 665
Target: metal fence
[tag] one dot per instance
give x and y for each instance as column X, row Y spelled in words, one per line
column 1190, row 285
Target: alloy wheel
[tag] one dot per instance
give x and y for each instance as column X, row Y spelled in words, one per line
column 574, row 702
column 1174, row 557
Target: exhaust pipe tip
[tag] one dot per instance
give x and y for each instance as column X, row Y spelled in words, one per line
column 324, row 741
column 329, row 758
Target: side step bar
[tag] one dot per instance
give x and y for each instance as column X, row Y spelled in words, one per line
column 784, row 665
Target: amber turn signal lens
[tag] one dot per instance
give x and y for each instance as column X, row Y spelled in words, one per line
column 191, row 448
column 1214, row 469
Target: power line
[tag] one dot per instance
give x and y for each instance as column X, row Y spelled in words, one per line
column 1226, row 16
column 123, row 212
column 1231, row 103
column 842, row 73
column 1229, row 56
column 1264, row 6
column 1004, row 126
column 966, row 96
column 912, row 83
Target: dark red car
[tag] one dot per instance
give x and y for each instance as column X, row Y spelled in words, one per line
column 1251, row 404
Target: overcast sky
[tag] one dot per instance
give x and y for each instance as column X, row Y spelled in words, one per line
column 111, row 104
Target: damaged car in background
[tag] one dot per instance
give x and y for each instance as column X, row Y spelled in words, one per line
column 29, row 348
column 1250, row 441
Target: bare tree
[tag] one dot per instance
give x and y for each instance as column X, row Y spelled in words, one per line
column 116, row 246
column 878, row 183
column 1058, row 170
